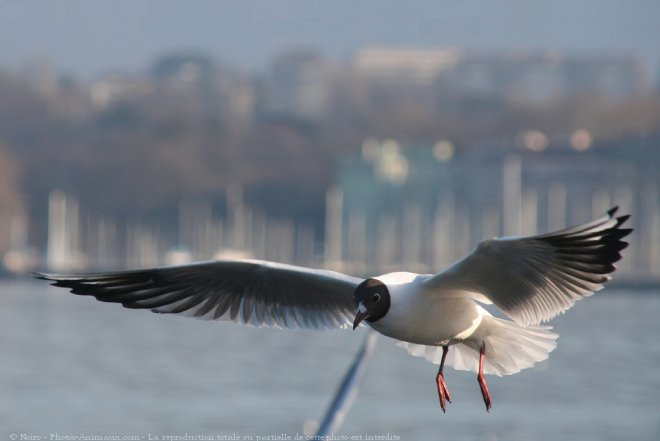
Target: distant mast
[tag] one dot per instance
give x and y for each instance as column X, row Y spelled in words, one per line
column 63, row 231
column 512, row 194
column 334, row 201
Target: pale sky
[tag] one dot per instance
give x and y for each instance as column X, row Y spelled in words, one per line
column 87, row 37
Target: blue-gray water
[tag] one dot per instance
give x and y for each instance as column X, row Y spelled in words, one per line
column 71, row 365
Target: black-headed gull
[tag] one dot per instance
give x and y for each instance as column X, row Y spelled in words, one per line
column 438, row 316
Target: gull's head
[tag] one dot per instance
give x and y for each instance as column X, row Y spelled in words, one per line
column 373, row 301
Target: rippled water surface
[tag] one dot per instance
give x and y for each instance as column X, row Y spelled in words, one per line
column 74, row 366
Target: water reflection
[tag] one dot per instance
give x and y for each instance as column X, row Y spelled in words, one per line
column 72, row 365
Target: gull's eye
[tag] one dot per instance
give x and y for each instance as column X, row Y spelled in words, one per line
column 375, row 298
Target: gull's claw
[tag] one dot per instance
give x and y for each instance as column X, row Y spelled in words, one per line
column 443, row 392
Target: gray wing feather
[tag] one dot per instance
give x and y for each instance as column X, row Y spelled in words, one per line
column 251, row 292
column 533, row 279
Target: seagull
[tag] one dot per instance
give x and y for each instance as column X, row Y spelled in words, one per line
column 437, row 316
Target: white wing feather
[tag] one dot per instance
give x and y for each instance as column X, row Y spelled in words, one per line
column 533, row 279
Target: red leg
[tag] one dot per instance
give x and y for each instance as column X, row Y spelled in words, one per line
column 443, row 392
column 482, row 380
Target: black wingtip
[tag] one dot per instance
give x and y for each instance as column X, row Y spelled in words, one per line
column 56, row 280
column 42, row 276
column 53, row 279
column 621, row 219
column 613, row 211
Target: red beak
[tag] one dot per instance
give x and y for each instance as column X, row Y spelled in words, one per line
column 359, row 317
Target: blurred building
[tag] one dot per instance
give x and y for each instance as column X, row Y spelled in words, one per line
column 402, row 76
column 401, row 65
column 193, row 81
column 541, row 76
column 214, row 86
column 443, row 77
column 422, row 207
column 113, row 88
column 300, row 84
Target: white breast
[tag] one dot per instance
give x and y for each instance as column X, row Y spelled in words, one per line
column 422, row 316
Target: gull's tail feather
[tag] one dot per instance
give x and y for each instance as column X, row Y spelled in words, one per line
column 509, row 348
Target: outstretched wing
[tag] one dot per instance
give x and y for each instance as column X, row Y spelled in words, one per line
column 533, row 279
column 244, row 291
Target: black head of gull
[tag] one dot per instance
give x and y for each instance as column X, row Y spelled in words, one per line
column 373, row 300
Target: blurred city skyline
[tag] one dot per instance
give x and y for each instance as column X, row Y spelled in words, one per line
column 130, row 132
column 190, row 158
column 83, row 38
